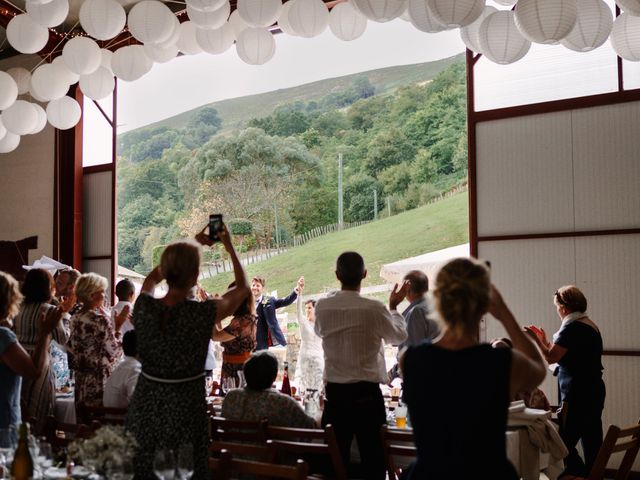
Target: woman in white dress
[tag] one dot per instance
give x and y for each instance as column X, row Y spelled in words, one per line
column 310, row 367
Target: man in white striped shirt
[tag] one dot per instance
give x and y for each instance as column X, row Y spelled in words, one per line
column 353, row 331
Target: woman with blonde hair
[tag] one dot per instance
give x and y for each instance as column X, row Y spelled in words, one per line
column 577, row 349
column 95, row 346
column 469, row 441
column 168, row 408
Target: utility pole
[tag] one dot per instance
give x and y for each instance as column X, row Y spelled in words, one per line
column 389, row 205
column 275, row 210
column 375, row 204
column 340, row 194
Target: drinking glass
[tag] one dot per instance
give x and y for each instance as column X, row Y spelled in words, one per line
column 401, row 416
column 45, row 455
column 185, row 461
column 208, row 383
column 242, row 381
column 164, row 464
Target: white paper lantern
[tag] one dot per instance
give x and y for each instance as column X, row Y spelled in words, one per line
column 105, row 60
column 207, row 5
column 42, row 119
column 546, row 21
column 8, row 90
column 102, row 19
column 283, row 19
column 209, row 19
column 255, row 46
column 259, row 13
column 97, row 85
column 420, row 16
column 380, row 10
column 500, row 40
column 173, row 39
column 130, row 63
column 70, row 77
column 3, row 131
column 187, row 43
column 592, row 28
column 82, row 55
column 215, row 41
column 20, row 118
column 64, row 113
column 631, row 7
column 456, row 13
column 470, row 34
column 151, row 21
column 9, row 142
column 309, row 18
column 22, row 77
column 625, row 37
column 506, row 3
column 48, row 82
column 162, row 55
column 238, row 24
column 346, row 22
column 26, row 35
column 50, row 14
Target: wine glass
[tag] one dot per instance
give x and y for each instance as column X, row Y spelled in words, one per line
column 185, row 461
column 164, row 464
column 208, row 383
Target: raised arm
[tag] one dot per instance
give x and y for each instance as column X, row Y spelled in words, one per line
column 552, row 353
column 151, row 281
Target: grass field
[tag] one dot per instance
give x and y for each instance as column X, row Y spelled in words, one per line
column 432, row 227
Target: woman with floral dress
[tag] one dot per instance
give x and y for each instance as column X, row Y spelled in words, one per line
column 238, row 350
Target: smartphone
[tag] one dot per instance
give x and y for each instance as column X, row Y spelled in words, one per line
column 215, row 226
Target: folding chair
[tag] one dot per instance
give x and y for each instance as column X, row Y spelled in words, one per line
column 226, row 467
column 396, row 443
column 617, row 440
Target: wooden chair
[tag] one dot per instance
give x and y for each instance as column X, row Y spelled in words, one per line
column 396, row 442
column 224, row 430
column 310, row 444
column 226, row 467
column 59, row 434
column 104, row 415
column 246, row 451
column 617, row 440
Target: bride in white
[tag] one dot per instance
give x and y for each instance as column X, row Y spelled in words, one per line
column 310, row 366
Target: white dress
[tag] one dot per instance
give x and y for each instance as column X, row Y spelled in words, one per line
column 310, row 367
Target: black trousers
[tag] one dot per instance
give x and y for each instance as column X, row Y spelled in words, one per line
column 357, row 409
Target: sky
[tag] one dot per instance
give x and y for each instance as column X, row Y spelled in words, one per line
column 188, row 82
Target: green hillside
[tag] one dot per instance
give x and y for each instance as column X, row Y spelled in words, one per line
column 432, row 227
column 236, row 111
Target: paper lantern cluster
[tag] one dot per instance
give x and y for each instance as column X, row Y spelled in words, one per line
column 502, row 35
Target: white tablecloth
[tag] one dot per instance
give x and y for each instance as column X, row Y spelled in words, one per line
column 65, row 409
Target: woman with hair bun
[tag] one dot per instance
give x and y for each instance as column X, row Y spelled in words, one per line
column 577, row 349
column 468, row 441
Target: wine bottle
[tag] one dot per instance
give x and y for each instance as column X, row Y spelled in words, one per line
column 22, row 467
column 286, row 386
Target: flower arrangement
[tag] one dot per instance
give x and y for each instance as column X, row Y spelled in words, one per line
column 111, row 443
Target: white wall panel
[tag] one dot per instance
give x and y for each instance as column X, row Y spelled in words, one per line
column 606, row 143
column 523, row 165
column 97, row 218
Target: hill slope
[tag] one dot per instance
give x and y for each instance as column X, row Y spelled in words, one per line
column 432, row 227
column 235, row 111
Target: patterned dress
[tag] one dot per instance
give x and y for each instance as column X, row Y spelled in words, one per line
column 38, row 394
column 96, row 349
column 244, row 343
column 172, row 344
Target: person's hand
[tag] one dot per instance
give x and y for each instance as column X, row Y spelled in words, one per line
column 49, row 320
column 67, row 303
column 537, row 334
column 497, row 307
column 123, row 316
column 203, row 238
column 225, row 238
column 397, row 295
column 300, row 286
column 201, row 293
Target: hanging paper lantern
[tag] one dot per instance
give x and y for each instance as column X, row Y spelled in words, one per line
column 26, row 35
column 283, row 19
column 592, row 28
column 48, row 82
column 97, row 85
column 308, row 18
column 173, row 39
column 22, row 77
column 420, row 16
column 546, row 21
column 215, row 41
column 625, row 37
column 82, row 55
column 151, row 21
column 49, row 14
column 255, row 46
column 42, row 119
column 380, row 10
column 632, row 7
column 238, row 24
column 8, row 90
column 209, row 19
column 500, row 40
column 102, row 19
column 64, row 113
column 162, row 55
column 3, row 131
column 187, row 43
column 130, row 63
column 70, row 77
column 456, row 13
column 105, row 58
column 206, row 5
column 259, row 13
column 346, row 22
column 20, row 118
column 9, row 142
column 470, row 33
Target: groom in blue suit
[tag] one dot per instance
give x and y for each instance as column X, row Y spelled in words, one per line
column 268, row 332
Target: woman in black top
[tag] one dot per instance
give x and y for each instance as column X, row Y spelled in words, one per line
column 457, row 438
column 577, row 349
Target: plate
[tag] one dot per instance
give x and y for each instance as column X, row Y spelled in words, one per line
column 54, row 473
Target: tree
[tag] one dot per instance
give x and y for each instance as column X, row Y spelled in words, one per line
column 388, row 147
column 358, row 194
column 363, row 88
column 396, row 178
